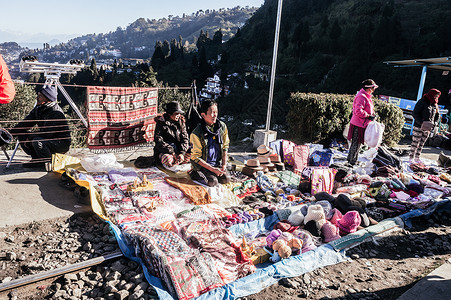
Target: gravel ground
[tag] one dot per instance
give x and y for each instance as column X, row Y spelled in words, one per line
column 382, row 269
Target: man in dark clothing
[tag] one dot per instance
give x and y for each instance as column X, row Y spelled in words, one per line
column 171, row 138
column 52, row 134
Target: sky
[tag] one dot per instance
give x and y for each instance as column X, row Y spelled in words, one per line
column 59, row 18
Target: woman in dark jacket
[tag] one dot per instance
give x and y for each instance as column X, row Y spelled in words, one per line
column 426, row 114
column 171, row 138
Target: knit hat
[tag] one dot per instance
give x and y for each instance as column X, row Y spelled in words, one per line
column 327, row 207
column 315, row 212
column 431, row 95
column 50, row 92
column 337, row 215
column 306, row 238
column 314, row 227
column 324, row 196
column 349, row 223
column 296, row 218
column 330, row 232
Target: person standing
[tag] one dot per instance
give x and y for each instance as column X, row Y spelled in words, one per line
column 210, row 142
column 362, row 114
column 171, row 138
column 7, row 90
column 52, row 134
column 426, row 114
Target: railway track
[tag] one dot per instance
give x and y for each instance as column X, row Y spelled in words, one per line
column 31, row 279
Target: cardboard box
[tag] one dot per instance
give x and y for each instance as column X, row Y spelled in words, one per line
column 260, row 256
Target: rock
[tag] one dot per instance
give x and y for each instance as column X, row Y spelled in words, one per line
column 77, row 293
column 304, row 294
column 10, row 239
column 136, row 295
column 87, row 246
column 117, row 266
column 110, row 289
column 11, row 256
column 106, row 229
column 142, row 286
column 355, row 256
column 289, row 283
column 7, row 279
column 60, row 294
column 115, row 275
column 88, row 237
column 307, row 279
column 70, row 277
column 351, row 291
column 121, row 295
column 2, row 235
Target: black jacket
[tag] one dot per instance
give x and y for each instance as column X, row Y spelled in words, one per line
column 170, row 137
column 424, row 111
column 50, row 121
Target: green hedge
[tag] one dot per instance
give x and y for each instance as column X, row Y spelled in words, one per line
column 314, row 118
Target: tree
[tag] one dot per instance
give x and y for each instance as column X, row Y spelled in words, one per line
column 158, row 58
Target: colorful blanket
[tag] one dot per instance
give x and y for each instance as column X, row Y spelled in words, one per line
column 196, row 193
column 121, row 117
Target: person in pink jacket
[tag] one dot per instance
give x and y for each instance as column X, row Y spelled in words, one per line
column 7, row 90
column 362, row 115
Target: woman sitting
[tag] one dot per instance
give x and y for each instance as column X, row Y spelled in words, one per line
column 171, row 137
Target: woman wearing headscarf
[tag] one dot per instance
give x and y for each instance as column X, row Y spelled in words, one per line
column 362, row 115
column 426, row 114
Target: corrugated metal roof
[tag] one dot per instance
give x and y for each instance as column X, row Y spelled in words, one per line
column 439, row 63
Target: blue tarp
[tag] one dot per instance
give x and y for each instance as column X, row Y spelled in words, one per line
column 294, row 266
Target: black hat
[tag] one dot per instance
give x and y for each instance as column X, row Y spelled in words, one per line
column 173, row 107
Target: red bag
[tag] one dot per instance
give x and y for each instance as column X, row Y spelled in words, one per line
column 300, row 157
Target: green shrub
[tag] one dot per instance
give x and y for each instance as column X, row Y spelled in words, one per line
column 314, row 118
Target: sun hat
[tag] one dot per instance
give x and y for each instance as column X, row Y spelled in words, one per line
column 275, row 159
column 265, row 162
column 263, row 150
column 253, row 163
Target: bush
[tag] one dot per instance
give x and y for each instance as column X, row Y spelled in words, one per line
column 315, row 118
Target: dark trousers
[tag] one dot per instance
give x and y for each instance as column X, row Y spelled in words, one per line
column 38, row 147
column 354, row 149
column 209, row 178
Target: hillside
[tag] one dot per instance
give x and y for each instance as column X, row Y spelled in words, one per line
column 332, row 45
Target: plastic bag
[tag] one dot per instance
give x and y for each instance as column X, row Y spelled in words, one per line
column 101, row 163
column 373, row 134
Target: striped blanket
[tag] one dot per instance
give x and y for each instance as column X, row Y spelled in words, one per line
column 121, row 117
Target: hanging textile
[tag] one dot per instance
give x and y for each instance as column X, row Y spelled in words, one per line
column 121, row 117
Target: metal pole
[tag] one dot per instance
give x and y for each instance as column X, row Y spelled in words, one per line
column 422, row 80
column 273, row 67
column 71, row 102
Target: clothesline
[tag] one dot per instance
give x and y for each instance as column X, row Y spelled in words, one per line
column 86, row 86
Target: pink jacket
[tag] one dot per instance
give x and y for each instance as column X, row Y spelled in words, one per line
column 362, row 108
column 7, row 90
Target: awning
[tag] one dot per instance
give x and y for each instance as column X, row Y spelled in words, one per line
column 439, row 63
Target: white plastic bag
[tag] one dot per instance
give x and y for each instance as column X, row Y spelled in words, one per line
column 373, row 134
column 100, row 163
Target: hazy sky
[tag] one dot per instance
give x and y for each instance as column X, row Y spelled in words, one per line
column 79, row 17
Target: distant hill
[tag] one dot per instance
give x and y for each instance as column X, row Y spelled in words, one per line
column 138, row 39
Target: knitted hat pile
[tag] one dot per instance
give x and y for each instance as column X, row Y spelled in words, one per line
column 349, row 223
column 315, row 212
column 337, row 215
column 330, row 232
column 296, row 218
column 313, row 227
column 327, row 207
column 306, row 238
